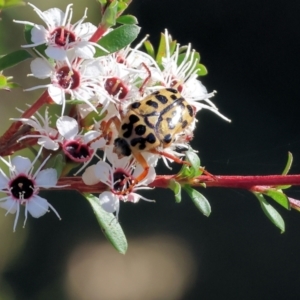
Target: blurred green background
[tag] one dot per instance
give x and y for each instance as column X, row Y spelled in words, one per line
column 251, row 50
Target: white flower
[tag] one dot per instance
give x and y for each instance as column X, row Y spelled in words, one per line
column 78, row 147
column 118, row 177
column 183, row 77
column 22, row 187
column 60, row 35
column 72, row 76
column 47, row 136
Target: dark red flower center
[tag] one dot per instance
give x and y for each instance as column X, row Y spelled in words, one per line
column 115, row 86
column 76, row 151
column 122, row 180
column 22, row 187
column 62, row 36
column 68, row 79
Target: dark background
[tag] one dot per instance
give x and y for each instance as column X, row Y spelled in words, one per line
column 251, row 50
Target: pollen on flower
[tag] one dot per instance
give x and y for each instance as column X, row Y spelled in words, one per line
column 68, row 79
column 114, row 86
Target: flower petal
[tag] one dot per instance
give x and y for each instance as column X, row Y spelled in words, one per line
column 54, row 17
column 67, row 127
column 46, row 178
column 3, row 180
column 40, row 68
column 10, row 205
column 48, row 143
column 57, row 94
column 39, row 34
column 88, row 177
column 85, row 50
column 37, row 206
column 21, row 164
column 56, row 53
column 103, row 172
column 109, row 202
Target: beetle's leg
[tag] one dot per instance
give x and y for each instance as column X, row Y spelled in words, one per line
column 178, row 160
column 171, row 156
column 142, row 161
column 132, row 182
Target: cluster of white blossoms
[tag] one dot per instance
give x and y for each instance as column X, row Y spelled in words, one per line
column 101, row 91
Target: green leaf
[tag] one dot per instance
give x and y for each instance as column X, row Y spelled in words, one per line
column 27, row 33
column 193, row 159
column 6, row 84
column 279, row 197
column 283, row 187
column 201, row 70
column 176, row 188
column 149, row 48
column 9, row 3
column 110, row 14
column 271, row 212
column 110, row 226
column 127, row 19
column 117, row 39
column 12, row 59
column 192, row 170
column 288, row 164
column 199, row 200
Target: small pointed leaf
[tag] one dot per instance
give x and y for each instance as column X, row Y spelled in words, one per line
column 271, row 212
column 176, row 188
column 110, row 226
column 288, row 164
column 127, row 19
column 199, row 200
column 110, row 13
column 149, row 48
column 279, row 197
column 201, row 70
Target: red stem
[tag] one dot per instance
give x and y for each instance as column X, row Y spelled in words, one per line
column 5, row 140
column 98, row 34
column 257, row 183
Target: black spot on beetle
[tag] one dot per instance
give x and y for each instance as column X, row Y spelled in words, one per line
column 174, row 97
column 162, row 99
column 184, row 124
column 135, row 105
column 132, row 119
column 167, row 138
column 171, row 90
column 152, row 103
column 140, row 129
column 139, row 140
column 151, row 138
column 190, row 110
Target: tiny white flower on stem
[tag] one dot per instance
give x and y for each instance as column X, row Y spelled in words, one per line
column 22, row 187
column 78, row 78
column 78, row 147
column 60, row 35
column 118, row 177
column 47, row 136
